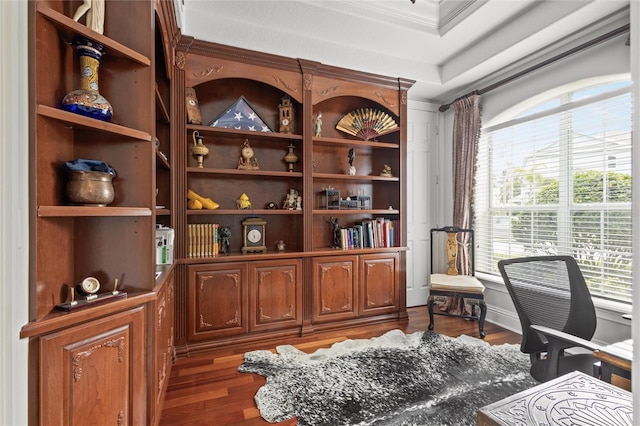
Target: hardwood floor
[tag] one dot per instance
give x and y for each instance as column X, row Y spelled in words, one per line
column 208, row 389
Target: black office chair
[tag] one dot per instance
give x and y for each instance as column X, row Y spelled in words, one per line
column 556, row 313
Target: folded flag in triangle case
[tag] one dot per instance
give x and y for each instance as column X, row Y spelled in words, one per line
column 240, row 116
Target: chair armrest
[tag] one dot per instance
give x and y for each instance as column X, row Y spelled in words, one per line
column 558, row 341
column 565, row 339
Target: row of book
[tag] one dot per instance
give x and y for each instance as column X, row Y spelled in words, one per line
column 374, row 233
column 203, row 240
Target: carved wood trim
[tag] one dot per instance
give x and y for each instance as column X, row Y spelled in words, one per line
column 80, row 356
column 208, row 71
column 203, row 323
column 284, row 84
column 289, row 273
column 180, row 60
column 234, row 320
column 384, row 100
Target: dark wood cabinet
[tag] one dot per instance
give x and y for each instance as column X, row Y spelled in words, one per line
column 218, row 300
column 335, row 288
column 94, row 373
column 275, row 294
column 379, row 283
column 162, row 332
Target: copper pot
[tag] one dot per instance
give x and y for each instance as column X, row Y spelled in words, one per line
column 90, row 188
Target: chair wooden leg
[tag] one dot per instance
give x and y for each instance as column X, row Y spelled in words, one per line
column 430, row 301
column 483, row 314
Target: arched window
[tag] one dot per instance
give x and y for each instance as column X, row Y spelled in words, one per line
column 554, row 177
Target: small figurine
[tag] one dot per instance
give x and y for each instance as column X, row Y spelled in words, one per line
column 290, row 200
column 243, row 202
column 299, row 202
column 352, row 156
column 318, row 131
column 336, row 232
column 386, row 171
column 281, row 246
column 225, row 238
column 94, row 10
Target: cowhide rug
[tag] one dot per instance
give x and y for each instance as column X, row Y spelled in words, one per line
column 422, row 378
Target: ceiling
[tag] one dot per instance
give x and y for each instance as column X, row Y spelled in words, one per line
column 448, row 46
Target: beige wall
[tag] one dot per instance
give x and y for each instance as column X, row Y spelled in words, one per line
column 13, row 211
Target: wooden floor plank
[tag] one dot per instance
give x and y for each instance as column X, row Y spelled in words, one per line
column 207, row 389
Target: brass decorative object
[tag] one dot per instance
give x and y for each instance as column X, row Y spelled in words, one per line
column 90, row 188
column 367, row 123
column 386, row 171
column 198, row 149
column 291, row 158
column 247, row 161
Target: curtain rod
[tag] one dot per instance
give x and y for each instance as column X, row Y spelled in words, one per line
column 621, row 30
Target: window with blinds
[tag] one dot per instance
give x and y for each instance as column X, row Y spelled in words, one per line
column 556, row 179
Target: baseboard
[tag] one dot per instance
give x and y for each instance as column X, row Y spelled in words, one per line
column 503, row 318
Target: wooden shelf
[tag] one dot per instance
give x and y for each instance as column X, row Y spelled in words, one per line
column 164, row 112
column 78, row 120
column 91, row 211
column 164, row 163
column 251, row 173
column 335, row 176
column 71, row 29
column 244, row 133
column 244, row 212
column 274, row 255
column 163, row 212
column 354, row 142
column 57, row 319
column 356, row 211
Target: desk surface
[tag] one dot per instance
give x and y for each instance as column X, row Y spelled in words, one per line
column 574, row 398
column 617, row 354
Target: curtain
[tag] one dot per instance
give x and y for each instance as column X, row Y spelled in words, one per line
column 466, row 133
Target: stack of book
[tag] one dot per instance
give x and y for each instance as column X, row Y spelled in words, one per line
column 374, row 233
column 203, row 240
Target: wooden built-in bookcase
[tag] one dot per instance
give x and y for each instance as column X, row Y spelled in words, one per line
column 110, row 363
column 107, row 363
column 238, row 297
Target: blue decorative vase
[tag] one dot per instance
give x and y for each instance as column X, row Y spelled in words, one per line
column 87, row 100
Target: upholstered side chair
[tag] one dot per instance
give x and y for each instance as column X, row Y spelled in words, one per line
column 457, row 278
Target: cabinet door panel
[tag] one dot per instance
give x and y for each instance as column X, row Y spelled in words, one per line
column 379, row 283
column 276, row 290
column 217, row 300
column 335, row 288
column 95, row 373
column 164, row 352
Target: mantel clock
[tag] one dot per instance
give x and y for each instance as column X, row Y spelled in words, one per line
column 253, row 235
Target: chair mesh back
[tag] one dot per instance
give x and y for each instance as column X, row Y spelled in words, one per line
column 549, row 291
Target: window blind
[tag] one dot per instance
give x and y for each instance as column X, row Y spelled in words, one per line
column 557, row 180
